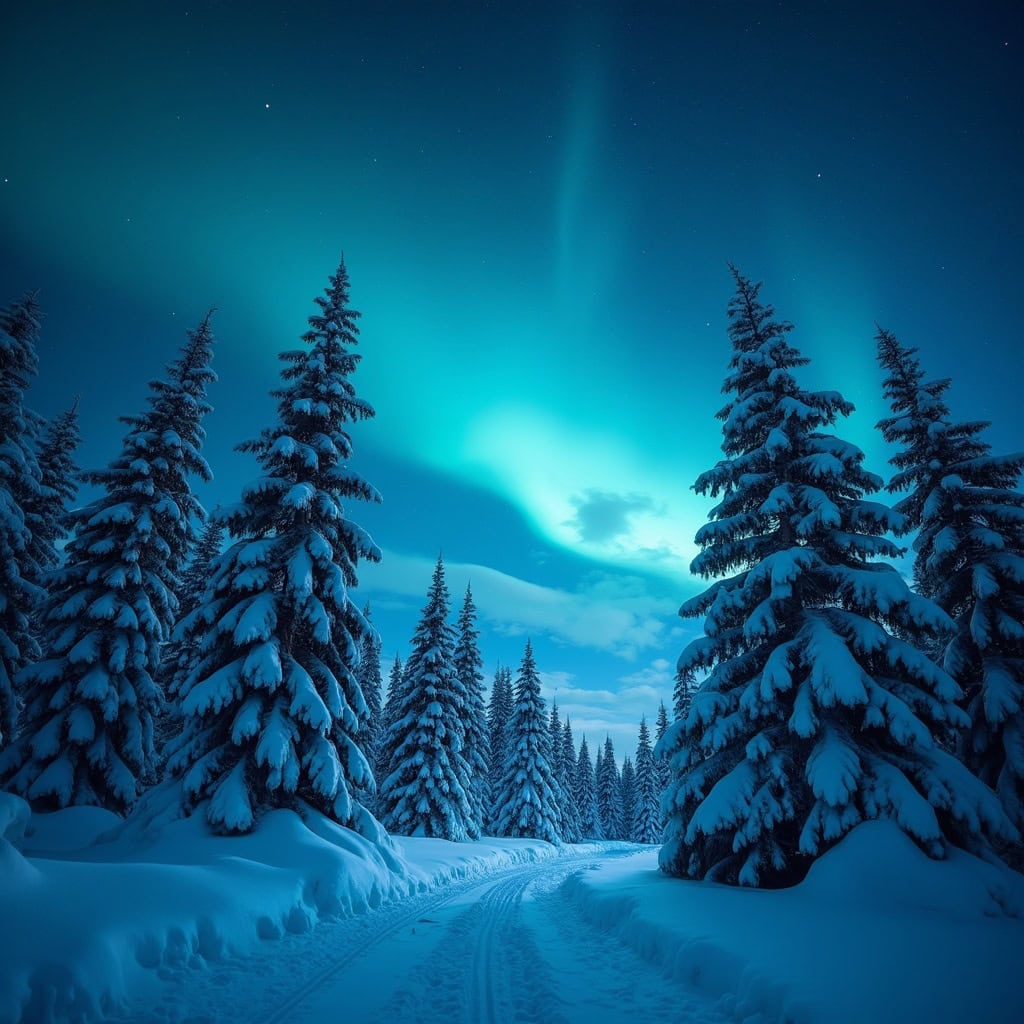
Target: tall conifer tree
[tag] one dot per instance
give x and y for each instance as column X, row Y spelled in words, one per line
column 469, row 667
column 609, row 793
column 58, row 478
column 499, row 714
column 646, row 820
column 389, row 714
column 572, row 830
column 371, row 684
column 627, row 797
column 586, row 794
column 272, row 705
column 19, row 493
column 969, row 557
column 527, row 798
column 92, row 698
column 427, row 789
column 661, row 759
column 813, row 716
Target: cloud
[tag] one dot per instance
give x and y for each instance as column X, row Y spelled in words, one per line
column 617, row 614
column 603, row 516
column 657, row 675
column 601, row 712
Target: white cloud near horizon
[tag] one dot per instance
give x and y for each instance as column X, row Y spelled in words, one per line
column 613, row 613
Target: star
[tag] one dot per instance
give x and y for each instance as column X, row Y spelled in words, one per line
column 266, row 106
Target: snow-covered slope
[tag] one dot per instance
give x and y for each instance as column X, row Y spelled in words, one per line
column 95, row 912
column 876, row 932
column 93, row 907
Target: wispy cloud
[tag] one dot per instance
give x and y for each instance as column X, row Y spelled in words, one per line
column 603, row 516
column 608, row 612
column 616, row 713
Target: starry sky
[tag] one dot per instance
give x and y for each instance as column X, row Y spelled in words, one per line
column 537, row 203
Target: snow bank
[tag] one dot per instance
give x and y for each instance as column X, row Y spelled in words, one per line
column 877, row 932
column 93, row 908
column 88, row 912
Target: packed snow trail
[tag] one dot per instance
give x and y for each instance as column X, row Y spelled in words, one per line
column 507, row 949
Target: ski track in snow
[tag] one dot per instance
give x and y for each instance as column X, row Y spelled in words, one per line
column 507, row 948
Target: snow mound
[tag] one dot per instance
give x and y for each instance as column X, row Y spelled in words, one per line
column 878, row 858
column 15, row 870
column 81, row 927
column 876, row 932
column 610, row 899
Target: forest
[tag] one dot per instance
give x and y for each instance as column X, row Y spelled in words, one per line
column 145, row 640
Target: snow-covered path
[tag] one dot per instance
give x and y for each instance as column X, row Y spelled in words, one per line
column 509, row 948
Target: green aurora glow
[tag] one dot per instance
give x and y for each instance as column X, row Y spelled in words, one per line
column 537, row 206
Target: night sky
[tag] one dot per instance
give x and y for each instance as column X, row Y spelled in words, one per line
column 537, row 204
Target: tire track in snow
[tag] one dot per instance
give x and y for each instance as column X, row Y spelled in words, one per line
column 480, row 966
column 487, row 968
column 385, row 928
column 485, row 1005
column 505, row 887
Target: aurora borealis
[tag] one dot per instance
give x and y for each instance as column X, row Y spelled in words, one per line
column 537, row 204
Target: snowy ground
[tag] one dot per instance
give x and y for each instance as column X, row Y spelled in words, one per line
column 158, row 922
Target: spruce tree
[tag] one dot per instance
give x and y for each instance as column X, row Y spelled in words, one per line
column 586, row 794
column 388, row 718
column 527, row 798
column 627, row 797
column 427, row 789
column 19, row 494
column 58, row 478
column 91, row 699
column 181, row 651
column 661, row 760
column 469, row 666
column 197, row 573
column 370, row 683
column 646, row 819
column 813, row 715
column 499, row 714
column 572, row 831
column 609, row 793
column 554, row 756
column 969, row 557
column 272, row 706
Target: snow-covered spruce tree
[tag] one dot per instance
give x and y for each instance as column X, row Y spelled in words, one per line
column 566, row 775
column 646, row 821
column 197, row 573
column 87, row 735
column 586, row 794
column 180, row 652
column 388, row 717
column 469, row 666
column 272, row 706
column 966, row 504
column 170, row 436
column 661, row 760
column 527, row 798
column 554, row 756
column 627, row 797
column 609, row 793
column 426, row 791
column 19, row 493
column 370, row 684
column 58, row 478
column 499, row 714
column 813, row 716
